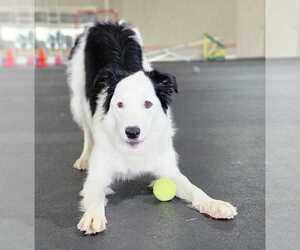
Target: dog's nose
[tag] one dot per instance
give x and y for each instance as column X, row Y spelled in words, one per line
column 132, row 132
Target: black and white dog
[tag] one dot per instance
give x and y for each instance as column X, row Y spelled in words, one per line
column 123, row 108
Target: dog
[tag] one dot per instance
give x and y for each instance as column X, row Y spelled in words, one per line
column 123, row 107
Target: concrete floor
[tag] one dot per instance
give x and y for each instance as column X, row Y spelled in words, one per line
column 282, row 154
column 220, row 115
column 17, row 159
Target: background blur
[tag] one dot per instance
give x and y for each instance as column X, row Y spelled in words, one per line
column 172, row 30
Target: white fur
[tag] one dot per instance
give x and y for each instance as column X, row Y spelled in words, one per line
column 108, row 156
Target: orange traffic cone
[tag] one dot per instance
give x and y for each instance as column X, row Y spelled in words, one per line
column 9, row 60
column 41, row 58
column 58, row 59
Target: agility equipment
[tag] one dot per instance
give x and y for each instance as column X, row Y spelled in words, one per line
column 9, row 60
column 210, row 47
column 58, row 60
column 41, row 58
column 213, row 49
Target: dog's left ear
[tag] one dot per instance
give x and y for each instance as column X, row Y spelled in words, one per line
column 165, row 86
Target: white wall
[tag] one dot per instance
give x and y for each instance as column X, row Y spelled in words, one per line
column 169, row 22
column 282, row 28
column 240, row 22
column 250, row 28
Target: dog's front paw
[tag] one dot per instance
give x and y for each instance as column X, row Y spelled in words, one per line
column 92, row 223
column 217, row 209
column 81, row 164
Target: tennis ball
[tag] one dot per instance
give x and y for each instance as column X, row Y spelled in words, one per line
column 164, row 189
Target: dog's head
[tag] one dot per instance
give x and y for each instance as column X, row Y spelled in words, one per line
column 136, row 106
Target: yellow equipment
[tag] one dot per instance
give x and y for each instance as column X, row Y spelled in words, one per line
column 213, row 49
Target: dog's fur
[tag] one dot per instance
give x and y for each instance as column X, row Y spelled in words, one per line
column 112, row 89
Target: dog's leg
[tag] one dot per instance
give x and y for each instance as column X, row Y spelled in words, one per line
column 200, row 200
column 94, row 200
column 92, row 204
column 82, row 162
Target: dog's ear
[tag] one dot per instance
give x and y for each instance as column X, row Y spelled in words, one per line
column 165, row 86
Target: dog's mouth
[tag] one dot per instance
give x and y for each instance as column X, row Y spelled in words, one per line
column 134, row 143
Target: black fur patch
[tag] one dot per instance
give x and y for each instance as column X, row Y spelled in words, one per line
column 111, row 53
column 165, row 86
column 106, row 80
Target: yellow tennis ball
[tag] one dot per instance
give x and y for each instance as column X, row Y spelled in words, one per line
column 164, row 189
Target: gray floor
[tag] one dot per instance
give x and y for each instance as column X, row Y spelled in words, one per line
column 17, row 159
column 220, row 115
column 283, row 154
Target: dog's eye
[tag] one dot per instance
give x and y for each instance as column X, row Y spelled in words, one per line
column 120, row 105
column 148, row 104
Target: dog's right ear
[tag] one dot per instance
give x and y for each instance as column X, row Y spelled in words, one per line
column 165, row 86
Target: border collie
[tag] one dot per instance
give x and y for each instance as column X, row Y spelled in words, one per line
column 122, row 105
